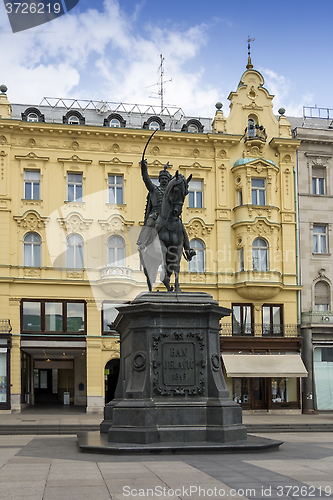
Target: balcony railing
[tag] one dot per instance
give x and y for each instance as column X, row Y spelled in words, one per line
column 5, row 326
column 259, row 330
column 116, row 272
column 256, row 132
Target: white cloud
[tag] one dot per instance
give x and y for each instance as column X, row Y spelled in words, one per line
column 99, row 55
column 284, row 91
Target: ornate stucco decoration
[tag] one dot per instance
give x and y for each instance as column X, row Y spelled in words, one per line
column 197, row 228
column 31, row 221
column 31, row 156
column 75, row 223
column 111, row 345
column 115, row 224
column 195, row 165
column 261, row 227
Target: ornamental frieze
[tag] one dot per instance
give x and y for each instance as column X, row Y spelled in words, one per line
column 196, row 228
column 74, row 223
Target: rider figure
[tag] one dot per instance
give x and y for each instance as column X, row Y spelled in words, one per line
column 153, row 209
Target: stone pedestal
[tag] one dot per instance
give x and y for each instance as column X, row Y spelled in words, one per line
column 171, row 387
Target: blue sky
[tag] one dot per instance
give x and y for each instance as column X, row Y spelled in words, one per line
column 110, row 51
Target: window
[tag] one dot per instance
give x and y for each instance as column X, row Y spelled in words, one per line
column 115, row 123
column 197, row 264
column 116, row 251
column 154, row 126
column 240, row 197
column 260, row 255
column 258, row 191
column 73, row 120
column 32, row 117
column 319, row 239
column 318, row 180
column 116, row 189
column 242, row 319
column 31, row 184
column 272, row 320
column 195, row 194
column 32, row 250
column 241, row 259
column 279, row 390
column 193, row 129
column 251, row 131
column 53, row 316
column 109, row 314
column 74, row 187
column 322, row 296
column 74, row 252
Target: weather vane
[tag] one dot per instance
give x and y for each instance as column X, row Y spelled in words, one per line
column 249, row 63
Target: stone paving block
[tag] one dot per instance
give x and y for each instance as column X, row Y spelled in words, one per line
column 77, row 493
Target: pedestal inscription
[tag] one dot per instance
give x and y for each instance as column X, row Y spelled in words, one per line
column 179, row 364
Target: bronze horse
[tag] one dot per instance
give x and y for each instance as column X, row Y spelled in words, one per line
column 169, row 228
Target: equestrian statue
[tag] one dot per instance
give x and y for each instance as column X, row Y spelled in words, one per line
column 163, row 238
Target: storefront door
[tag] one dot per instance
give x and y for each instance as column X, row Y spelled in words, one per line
column 259, row 394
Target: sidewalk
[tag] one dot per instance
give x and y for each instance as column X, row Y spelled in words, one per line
column 73, row 419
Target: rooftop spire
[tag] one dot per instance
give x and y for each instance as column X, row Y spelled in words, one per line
column 249, row 63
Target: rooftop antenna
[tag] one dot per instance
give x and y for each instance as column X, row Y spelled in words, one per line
column 160, row 83
column 249, row 63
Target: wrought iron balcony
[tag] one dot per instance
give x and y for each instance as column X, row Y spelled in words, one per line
column 259, row 330
column 318, row 317
column 255, row 133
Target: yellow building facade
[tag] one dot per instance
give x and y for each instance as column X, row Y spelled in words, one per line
column 71, row 207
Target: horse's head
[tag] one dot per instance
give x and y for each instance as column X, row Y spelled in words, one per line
column 175, row 193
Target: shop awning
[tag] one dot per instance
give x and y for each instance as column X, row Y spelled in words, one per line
column 264, row 365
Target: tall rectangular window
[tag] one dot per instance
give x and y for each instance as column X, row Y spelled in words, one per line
column 320, row 243
column 31, row 316
column 272, row 320
column 258, row 191
column 318, row 180
column 242, row 320
column 240, row 197
column 241, row 259
column 74, row 187
column 195, row 194
column 116, row 189
column 31, row 184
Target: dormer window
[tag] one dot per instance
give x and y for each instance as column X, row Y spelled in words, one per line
column 73, row 118
column 193, row 126
column 154, row 123
column 114, row 120
column 32, row 115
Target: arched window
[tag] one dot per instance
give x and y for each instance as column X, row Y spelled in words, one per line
column 193, row 126
column 115, row 123
column 197, row 264
column 74, row 117
column 74, row 252
column 154, row 126
column 116, row 251
column 322, row 296
column 260, row 255
column 154, row 123
column 115, row 120
column 32, row 250
column 73, row 120
column 32, row 115
column 251, row 131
